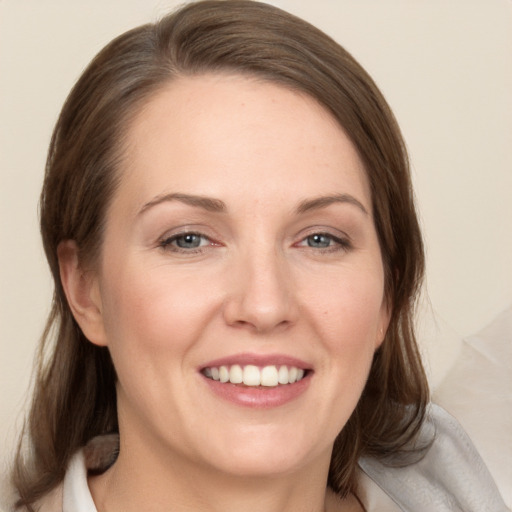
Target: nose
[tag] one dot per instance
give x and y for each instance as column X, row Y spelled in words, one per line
column 261, row 294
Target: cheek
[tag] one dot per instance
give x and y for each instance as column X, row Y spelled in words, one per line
column 345, row 314
column 153, row 320
column 155, row 311
column 348, row 308
column 348, row 314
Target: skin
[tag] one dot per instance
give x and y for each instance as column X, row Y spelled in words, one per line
column 256, row 284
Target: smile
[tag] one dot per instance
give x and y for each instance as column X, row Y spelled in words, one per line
column 255, row 376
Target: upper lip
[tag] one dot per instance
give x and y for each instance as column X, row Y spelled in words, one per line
column 260, row 360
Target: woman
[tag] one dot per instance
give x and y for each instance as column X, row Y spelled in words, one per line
column 228, row 216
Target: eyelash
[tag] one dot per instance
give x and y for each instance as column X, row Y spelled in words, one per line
column 338, row 243
column 167, row 243
column 335, row 243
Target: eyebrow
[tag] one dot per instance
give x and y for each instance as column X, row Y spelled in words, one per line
column 206, row 203
column 325, row 201
column 216, row 205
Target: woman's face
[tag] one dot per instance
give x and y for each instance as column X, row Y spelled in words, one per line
column 240, row 245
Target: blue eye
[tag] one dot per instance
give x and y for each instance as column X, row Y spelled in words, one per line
column 325, row 241
column 185, row 241
column 319, row 241
column 188, row 241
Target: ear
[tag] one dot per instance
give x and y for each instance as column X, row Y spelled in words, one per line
column 385, row 318
column 82, row 292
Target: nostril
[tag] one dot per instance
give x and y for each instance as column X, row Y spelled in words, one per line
column 261, row 327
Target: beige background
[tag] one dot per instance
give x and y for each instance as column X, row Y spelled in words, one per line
column 445, row 68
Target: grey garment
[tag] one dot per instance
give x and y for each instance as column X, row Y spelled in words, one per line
column 450, row 477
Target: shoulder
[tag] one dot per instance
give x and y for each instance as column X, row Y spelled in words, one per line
column 449, row 477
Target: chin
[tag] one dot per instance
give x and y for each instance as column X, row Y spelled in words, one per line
column 268, row 452
column 263, row 464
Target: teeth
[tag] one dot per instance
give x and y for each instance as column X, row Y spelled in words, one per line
column 223, row 374
column 250, row 375
column 235, row 374
column 269, row 376
column 282, row 375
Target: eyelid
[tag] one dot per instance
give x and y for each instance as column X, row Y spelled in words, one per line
column 341, row 240
column 165, row 242
column 177, row 236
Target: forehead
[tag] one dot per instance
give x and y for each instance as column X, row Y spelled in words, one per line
column 207, row 134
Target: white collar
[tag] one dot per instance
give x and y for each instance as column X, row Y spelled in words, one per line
column 76, row 496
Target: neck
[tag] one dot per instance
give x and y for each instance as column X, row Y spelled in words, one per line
column 144, row 482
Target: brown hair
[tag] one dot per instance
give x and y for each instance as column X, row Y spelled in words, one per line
column 74, row 398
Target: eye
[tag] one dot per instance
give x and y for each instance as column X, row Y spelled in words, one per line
column 325, row 241
column 188, row 242
column 319, row 241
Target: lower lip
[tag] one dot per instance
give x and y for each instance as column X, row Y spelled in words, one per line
column 259, row 397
